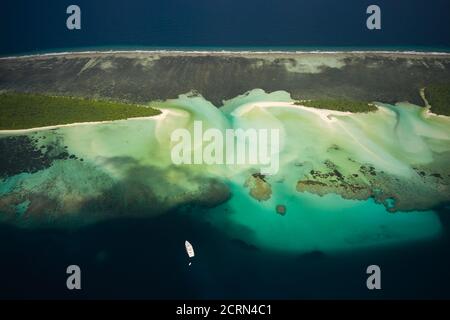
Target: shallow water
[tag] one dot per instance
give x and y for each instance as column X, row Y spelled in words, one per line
column 312, row 223
column 391, row 139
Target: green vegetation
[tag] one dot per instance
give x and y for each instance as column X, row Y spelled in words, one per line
column 339, row 105
column 438, row 97
column 23, row 110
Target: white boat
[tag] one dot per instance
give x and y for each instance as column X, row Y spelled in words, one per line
column 189, row 249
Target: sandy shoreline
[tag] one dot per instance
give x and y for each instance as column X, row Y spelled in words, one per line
column 324, row 114
column 57, row 126
column 225, row 53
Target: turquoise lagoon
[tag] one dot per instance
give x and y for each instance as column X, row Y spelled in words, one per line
column 391, row 139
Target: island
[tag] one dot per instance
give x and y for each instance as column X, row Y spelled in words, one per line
column 26, row 110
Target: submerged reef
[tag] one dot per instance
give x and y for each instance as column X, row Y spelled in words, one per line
column 259, row 188
column 73, row 193
column 422, row 191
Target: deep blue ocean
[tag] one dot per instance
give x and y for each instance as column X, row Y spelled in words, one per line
column 40, row 25
column 145, row 258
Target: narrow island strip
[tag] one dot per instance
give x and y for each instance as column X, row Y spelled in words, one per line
column 22, row 111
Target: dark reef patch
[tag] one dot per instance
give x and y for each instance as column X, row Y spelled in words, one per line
column 20, row 154
column 395, row 193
